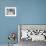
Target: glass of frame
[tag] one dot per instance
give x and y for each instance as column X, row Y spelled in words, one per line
column 10, row 11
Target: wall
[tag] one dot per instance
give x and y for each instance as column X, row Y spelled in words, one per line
column 28, row 12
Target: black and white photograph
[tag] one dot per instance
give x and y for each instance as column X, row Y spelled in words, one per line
column 10, row 11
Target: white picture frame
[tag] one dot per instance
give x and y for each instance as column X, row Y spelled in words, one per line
column 40, row 28
column 10, row 11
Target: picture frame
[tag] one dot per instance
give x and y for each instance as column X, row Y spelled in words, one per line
column 36, row 32
column 10, row 11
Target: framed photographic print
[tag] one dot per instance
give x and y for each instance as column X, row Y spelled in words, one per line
column 33, row 32
column 10, row 11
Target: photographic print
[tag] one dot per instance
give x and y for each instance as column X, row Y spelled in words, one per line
column 10, row 11
column 32, row 32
